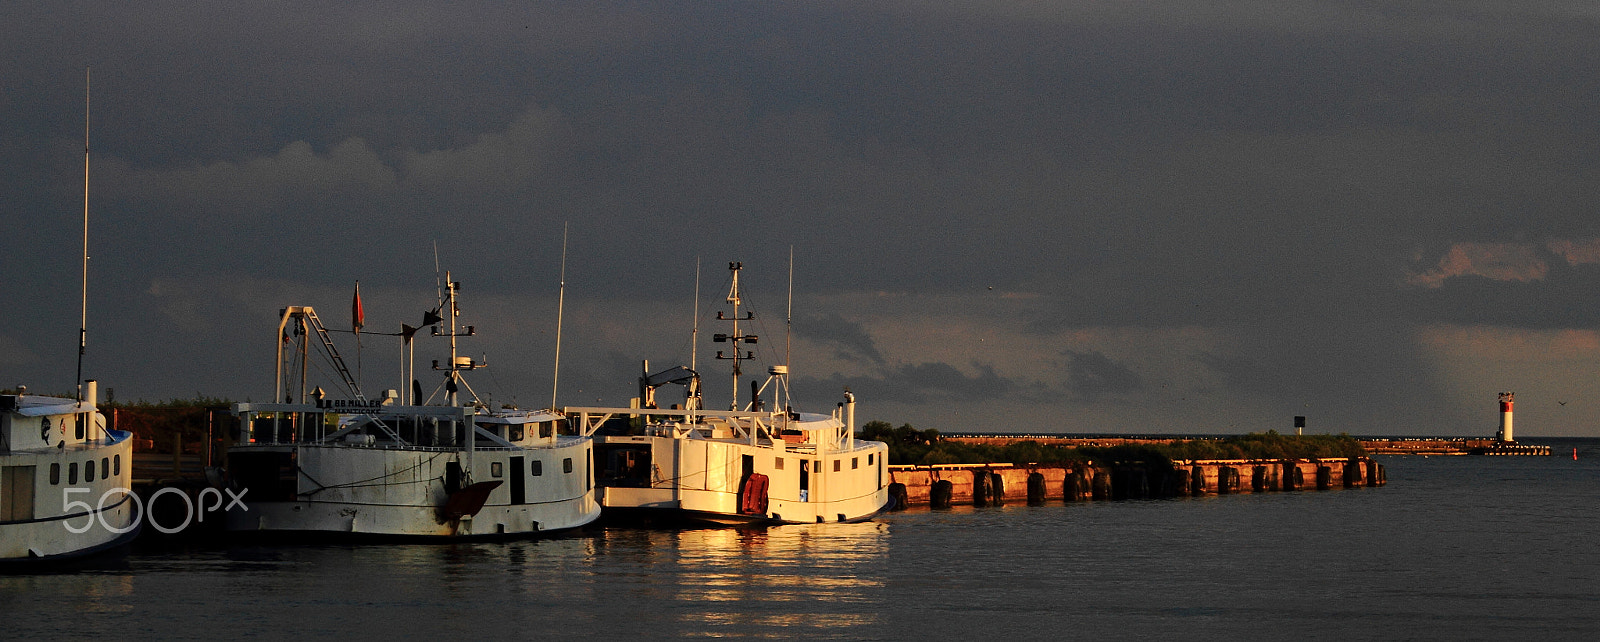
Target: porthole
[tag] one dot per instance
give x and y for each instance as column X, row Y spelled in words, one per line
column 566, row 465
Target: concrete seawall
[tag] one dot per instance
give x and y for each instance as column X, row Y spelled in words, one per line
column 985, row 484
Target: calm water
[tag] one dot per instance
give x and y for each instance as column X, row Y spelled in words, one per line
column 1454, row 547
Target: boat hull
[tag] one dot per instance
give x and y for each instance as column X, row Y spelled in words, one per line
column 340, row 490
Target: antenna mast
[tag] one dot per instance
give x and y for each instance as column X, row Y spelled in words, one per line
column 561, row 300
column 694, row 334
column 83, row 309
column 735, row 338
column 788, row 322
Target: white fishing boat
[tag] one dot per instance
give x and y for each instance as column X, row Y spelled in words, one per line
column 64, row 479
column 762, row 463
column 398, row 465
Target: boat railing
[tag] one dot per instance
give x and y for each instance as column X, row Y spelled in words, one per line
column 308, row 423
column 750, row 427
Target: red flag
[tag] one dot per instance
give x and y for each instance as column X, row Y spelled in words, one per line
column 358, row 318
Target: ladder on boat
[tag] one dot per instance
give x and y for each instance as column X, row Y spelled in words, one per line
column 309, row 318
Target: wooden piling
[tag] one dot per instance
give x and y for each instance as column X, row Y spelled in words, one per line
column 1101, row 483
column 941, row 494
column 897, row 492
column 980, row 487
column 1293, row 479
column 1076, row 487
column 1035, row 489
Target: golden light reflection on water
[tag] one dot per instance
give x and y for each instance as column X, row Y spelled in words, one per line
column 783, row 577
column 107, row 594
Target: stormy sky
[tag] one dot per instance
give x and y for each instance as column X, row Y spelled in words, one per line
column 1146, row 217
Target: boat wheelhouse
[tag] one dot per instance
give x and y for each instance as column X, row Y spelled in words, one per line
column 64, row 479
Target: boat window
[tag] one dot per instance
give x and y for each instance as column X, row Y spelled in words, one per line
column 105, row 467
column 538, row 468
column 869, row 459
column 836, row 463
column 77, row 429
column 855, row 462
column 495, row 470
column 72, row 473
column 116, row 465
column 777, row 463
column 55, row 474
column 516, row 433
column 88, row 471
column 566, row 465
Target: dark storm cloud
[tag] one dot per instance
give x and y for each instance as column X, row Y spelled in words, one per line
column 1092, row 374
column 919, row 383
column 851, row 340
column 1266, row 169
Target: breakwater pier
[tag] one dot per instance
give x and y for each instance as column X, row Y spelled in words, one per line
column 1372, row 445
column 990, row 484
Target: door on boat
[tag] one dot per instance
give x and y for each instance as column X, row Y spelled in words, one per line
column 517, row 474
column 16, row 493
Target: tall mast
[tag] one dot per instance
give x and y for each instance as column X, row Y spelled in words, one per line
column 788, row 341
column 788, row 322
column 735, row 338
column 561, row 300
column 450, row 287
column 694, row 333
column 83, row 308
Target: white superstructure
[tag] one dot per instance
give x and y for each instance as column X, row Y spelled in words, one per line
column 733, row 467
column 64, row 479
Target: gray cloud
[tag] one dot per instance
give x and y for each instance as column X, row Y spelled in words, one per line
column 1092, row 374
column 920, row 383
column 851, row 340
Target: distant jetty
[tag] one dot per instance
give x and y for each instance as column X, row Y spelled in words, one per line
column 1373, row 445
column 942, row 486
column 1449, row 446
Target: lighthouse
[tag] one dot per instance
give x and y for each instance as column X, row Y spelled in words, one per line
column 1505, row 417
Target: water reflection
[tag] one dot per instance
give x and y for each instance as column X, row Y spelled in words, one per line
column 813, row 580
column 769, row 582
